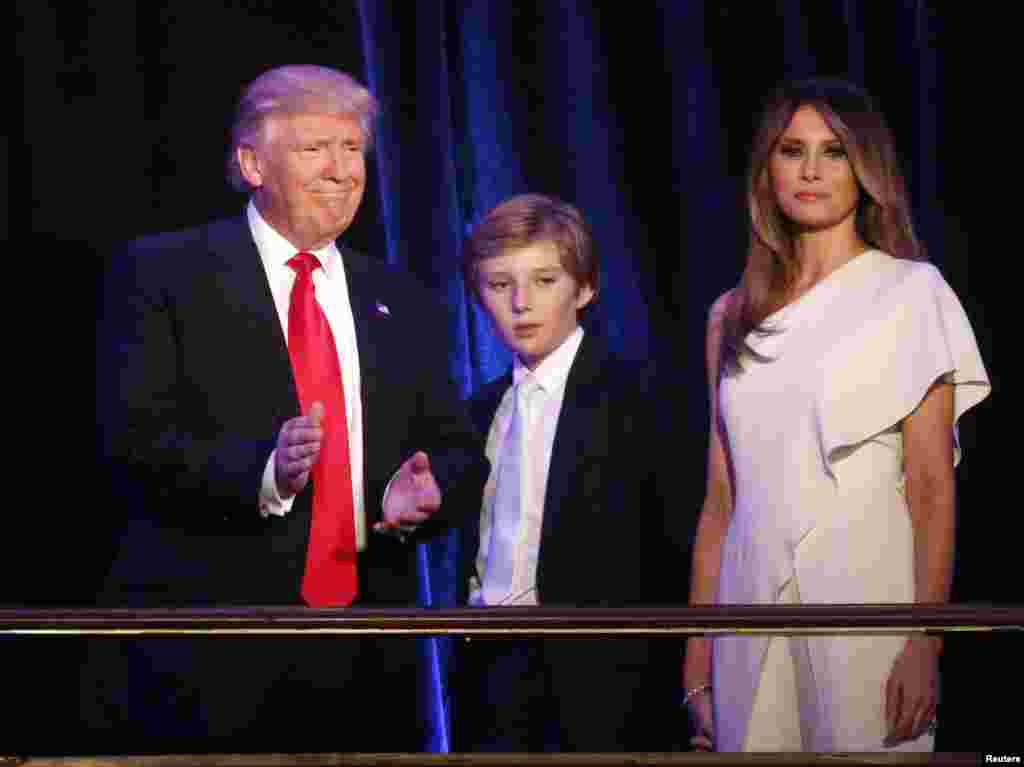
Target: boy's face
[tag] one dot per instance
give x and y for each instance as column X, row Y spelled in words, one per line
column 532, row 299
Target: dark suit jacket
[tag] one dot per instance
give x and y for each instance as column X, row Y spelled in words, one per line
column 198, row 382
column 613, row 535
column 194, row 383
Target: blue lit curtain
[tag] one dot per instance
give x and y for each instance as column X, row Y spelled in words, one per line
column 640, row 114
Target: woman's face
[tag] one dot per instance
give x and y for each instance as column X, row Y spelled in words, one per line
column 812, row 178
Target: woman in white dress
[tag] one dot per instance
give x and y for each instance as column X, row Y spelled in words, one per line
column 838, row 369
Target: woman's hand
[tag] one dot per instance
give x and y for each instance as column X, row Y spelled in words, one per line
column 699, row 710
column 911, row 692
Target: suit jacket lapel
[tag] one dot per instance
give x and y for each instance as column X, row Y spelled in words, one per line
column 238, row 264
column 364, row 293
column 482, row 409
column 242, row 284
column 484, row 406
column 578, row 436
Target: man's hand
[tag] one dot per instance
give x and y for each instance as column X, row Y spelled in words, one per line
column 298, row 448
column 413, row 495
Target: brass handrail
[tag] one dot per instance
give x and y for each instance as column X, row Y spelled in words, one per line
column 498, row 760
column 518, row 621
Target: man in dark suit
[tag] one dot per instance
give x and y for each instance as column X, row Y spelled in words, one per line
column 277, row 404
column 576, row 511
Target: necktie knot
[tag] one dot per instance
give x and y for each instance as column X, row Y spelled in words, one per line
column 528, row 386
column 304, row 263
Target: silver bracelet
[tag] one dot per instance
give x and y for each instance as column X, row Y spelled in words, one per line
column 693, row 692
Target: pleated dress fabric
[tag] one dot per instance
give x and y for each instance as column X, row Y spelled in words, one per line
column 820, row 511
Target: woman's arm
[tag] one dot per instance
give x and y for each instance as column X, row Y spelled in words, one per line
column 707, row 548
column 931, row 492
column 912, row 688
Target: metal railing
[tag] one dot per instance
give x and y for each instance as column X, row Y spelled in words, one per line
column 517, row 621
column 504, row 622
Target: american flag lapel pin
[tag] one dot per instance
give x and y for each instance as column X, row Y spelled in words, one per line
column 383, row 309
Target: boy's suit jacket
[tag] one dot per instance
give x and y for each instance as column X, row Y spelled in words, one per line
column 611, row 535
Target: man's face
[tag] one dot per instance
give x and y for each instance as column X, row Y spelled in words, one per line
column 308, row 172
column 532, row 299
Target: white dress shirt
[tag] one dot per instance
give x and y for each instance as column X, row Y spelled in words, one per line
column 541, row 410
column 331, row 290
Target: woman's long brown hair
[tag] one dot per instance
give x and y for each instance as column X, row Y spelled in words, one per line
column 883, row 213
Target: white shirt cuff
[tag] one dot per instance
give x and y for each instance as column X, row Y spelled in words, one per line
column 270, row 502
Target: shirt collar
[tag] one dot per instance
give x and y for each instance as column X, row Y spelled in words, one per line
column 552, row 373
column 276, row 251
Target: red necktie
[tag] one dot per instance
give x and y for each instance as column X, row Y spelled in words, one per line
column 330, row 576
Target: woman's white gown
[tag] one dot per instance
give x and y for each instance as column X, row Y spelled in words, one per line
column 815, row 442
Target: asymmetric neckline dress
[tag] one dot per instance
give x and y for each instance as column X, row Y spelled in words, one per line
column 815, row 443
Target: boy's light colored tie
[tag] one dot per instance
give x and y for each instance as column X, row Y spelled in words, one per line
column 499, row 568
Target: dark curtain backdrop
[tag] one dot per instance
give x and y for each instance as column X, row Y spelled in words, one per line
column 640, row 113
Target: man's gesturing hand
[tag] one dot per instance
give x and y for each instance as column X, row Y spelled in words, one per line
column 298, row 448
column 413, row 495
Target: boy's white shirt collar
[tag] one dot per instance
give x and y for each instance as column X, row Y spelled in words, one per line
column 552, row 373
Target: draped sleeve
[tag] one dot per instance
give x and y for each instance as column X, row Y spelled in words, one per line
column 917, row 334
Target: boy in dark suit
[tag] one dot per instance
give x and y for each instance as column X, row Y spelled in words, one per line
column 574, row 511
